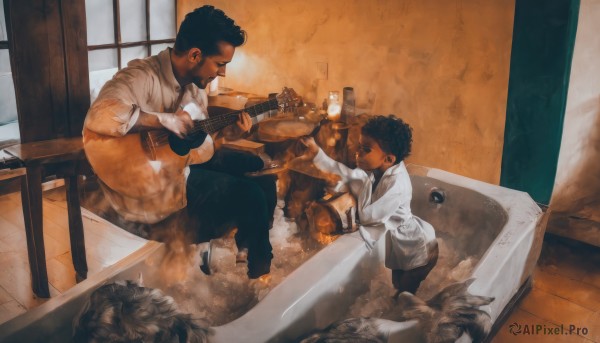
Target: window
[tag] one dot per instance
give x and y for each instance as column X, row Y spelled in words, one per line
column 119, row 31
column 9, row 129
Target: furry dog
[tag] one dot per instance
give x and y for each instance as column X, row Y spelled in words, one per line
column 128, row 312
column 443, row 318
column 450, row 313
column 353, row 330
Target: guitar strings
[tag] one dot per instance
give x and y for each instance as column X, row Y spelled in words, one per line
column 229, row 118
column 223, row 120
column 213, row 124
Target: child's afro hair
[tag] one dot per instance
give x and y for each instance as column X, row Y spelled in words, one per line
column 392, row 133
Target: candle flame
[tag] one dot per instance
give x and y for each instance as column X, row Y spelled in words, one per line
column 323, row 238
column 324, row 223
column 265, row 279
column 334, row 111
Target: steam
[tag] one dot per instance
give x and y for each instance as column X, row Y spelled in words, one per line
column 450, row 268
column 227, row 293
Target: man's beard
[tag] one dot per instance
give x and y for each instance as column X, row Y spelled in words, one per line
column 199, row 82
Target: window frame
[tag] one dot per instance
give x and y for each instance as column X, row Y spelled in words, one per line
column 4, row 43
column 119, row 45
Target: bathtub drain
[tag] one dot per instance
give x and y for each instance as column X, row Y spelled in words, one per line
column 437, row 196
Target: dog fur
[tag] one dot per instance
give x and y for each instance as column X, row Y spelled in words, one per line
column 128, row 312
column 443, row 318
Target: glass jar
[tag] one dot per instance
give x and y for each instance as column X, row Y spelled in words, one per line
column 334, row 108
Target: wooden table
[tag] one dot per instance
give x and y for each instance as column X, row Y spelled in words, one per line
column 64, row 156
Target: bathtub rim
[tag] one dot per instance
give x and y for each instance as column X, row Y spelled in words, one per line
column 525, row 224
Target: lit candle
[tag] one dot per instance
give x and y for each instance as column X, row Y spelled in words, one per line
column 334, row 109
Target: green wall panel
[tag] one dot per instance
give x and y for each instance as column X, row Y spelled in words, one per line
column 542, row 49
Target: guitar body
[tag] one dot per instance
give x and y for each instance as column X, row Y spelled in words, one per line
column 129, row 166
column 144, row 165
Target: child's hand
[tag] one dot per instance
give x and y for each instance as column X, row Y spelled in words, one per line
column 311, row 147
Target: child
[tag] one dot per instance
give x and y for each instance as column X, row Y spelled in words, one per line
column 382, row 187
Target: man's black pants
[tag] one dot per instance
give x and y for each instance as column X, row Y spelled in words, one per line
column 219, row 198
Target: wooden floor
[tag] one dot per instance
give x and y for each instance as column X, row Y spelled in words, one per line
column 566, row 285
column 566, row 291
column 105, row 245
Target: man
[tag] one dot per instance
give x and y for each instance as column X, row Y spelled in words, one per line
column 164, row 92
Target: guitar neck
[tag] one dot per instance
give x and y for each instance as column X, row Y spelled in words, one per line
column 216, row 123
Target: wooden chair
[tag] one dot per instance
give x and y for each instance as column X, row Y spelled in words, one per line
column 52, row 96
column 63, row 157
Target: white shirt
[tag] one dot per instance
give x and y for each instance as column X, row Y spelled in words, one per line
column 386, row 208
column 149, row 85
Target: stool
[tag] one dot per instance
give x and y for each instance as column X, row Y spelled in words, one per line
column 66, row 156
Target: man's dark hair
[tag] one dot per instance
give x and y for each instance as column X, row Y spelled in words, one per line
column 204, row 28
column 393, row 135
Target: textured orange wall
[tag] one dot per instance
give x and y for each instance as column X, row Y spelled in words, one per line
column 442, row 65
column 577, row 185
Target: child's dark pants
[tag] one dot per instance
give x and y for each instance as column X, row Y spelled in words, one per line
column 410, row 280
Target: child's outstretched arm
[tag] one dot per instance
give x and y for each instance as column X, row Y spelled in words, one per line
column 324, row 162
column 312, row 149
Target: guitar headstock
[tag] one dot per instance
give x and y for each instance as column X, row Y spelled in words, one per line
column 288, row 100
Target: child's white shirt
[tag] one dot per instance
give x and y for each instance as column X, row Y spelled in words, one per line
column 386, row 208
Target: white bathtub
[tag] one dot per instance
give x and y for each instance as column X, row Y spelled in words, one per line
column 501, row 227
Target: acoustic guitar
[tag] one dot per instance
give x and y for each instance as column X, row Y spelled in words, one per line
column 128, row 164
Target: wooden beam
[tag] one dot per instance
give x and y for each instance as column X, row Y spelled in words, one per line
column 148, row 47
column 130, row 44
column 117, row 29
